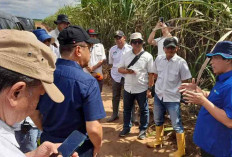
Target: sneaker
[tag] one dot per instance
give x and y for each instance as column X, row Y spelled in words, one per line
column 112, row 118
column 142, row 135
column 124, row 132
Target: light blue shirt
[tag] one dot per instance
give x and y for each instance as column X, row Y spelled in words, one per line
column 8, row 144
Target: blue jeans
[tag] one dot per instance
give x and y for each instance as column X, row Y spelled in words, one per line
column 28, row 141
column 173, row 109
column 128, row 103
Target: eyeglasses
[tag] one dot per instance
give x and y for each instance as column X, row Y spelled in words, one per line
column 136, row 42
column 118, row 37
column 89, row 46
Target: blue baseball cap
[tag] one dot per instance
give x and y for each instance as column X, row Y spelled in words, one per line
column 41, row 34
column 223, row 48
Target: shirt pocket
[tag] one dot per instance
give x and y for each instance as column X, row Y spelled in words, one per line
column 160, row 71
column 173, row 76
column 141, row 63
column 99, row 54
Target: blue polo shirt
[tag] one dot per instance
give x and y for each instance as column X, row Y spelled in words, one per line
column 211, row 135
column 82, row 103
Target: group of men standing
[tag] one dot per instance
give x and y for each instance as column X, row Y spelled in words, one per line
column 135, row 70
column 77, row 105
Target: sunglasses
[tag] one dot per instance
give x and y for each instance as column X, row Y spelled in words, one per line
column 136, row 42
column 117, row 37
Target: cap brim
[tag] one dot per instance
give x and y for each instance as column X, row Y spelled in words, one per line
column 227, row 56
column 118, row 36
column 170, row 45
column 44, row 37
column 58, row 21
column 136, row 39
column 53, row 92
column 93, row 41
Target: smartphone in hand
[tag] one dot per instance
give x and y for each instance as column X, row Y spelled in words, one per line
column 71, row 143
column 161, row 19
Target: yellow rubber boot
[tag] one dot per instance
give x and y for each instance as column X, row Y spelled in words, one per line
column 180, row 145
column 159, row 137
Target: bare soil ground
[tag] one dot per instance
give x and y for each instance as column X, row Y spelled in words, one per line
column 130, row 146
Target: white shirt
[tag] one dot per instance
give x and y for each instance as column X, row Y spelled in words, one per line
column 115, row 55
column 160, row 45
column 8, row 144
column 97, row 54
column 170, row 74
column 56, row 51
column 138, row 82
column 54, row 33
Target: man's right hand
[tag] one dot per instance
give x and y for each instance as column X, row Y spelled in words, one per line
column 158, row 26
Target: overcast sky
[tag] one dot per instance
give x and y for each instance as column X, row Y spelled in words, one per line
column 36, row 9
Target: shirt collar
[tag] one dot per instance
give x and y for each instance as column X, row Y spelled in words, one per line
column 174, row 58
column 125, row 45
column 68, row 63
column 224, row 76
column 138, row 53
column 7, row 132
column 57, row 31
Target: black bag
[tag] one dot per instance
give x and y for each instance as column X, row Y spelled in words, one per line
column 25, row 127
column 135, row 60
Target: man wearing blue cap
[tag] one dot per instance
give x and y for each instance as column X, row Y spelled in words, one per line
column 45, row 38
column 213, row 131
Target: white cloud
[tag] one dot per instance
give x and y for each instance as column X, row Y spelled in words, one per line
column 38, row 9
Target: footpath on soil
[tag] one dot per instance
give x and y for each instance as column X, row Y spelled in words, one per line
column 130, row 146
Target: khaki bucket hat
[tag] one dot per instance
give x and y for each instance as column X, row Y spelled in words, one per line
column 22, row 52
